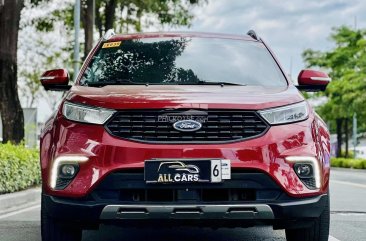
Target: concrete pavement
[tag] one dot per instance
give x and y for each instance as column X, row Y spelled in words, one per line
column 348, row 204
column 19, row 200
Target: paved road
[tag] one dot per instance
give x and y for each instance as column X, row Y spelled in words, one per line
column 348, row 221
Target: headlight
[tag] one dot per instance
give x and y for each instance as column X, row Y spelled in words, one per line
column 286, row 114
column 86, row 114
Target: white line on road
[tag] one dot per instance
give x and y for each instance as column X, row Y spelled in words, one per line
column 350, row 183
column 331, row 238
column 19, row 211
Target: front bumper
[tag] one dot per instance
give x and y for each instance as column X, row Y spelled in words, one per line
column 280, row 214
column 107, row 154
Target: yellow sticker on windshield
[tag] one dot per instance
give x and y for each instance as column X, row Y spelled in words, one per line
column 111, row 45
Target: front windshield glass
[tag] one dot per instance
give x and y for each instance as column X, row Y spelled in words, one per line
column 183, row 61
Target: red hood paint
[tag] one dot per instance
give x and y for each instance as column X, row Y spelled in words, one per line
column 185, row 96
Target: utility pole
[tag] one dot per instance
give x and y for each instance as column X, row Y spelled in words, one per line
column 76, row 44
column 93, row 20
column 354, row 135
column 290, row 70
column 355, row 20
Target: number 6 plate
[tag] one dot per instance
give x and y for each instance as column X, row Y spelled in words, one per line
column 220, row 170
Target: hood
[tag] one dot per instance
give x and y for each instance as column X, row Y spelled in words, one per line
column 185, row 96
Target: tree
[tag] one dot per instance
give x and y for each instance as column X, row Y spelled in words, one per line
column 10, row 108
column 44, row 43
column 88, row 14
column 134, row 15
column 46, row 34
column 346, row 64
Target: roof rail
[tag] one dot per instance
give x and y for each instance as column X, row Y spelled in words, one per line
column 253, row 34
column 108, row 34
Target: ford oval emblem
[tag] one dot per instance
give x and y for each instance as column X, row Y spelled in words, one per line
column 187, row 125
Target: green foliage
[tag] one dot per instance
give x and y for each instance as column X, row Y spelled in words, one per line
column 128, row 14
column 123, row 15
column 19, row 168
column 46, row 23
column 348, row 163
column 350, row 154
column 346, row 64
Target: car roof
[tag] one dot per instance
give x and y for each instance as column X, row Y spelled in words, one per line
column 180, row 34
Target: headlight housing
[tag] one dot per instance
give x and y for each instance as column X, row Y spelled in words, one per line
column 86, row 114
column 286, row 114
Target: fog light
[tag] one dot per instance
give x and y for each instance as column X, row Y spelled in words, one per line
column 302, row 164
column 59, row 172
column 304, row 170
column 68, row 170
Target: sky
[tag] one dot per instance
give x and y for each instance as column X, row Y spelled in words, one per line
column 288, row 26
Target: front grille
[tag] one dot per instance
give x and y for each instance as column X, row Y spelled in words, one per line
column 156, row 126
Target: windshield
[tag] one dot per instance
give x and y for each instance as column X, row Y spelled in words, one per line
column 183, row 61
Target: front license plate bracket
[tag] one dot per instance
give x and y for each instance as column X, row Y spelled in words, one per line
column 187, row 170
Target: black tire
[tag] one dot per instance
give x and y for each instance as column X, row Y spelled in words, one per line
column 54, row 230
column 319, row 231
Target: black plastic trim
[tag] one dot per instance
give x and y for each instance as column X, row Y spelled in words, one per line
column 57, row 87
column 253, row 34
column 295, row 212
column 311, row 88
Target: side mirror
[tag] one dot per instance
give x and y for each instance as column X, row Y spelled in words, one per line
column 56, row 79
column 312, row 80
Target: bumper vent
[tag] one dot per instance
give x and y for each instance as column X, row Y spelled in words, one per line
column 156, row 126
column 62, row 183
column 309, row 182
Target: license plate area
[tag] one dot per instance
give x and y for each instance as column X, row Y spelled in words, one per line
column 187, row 171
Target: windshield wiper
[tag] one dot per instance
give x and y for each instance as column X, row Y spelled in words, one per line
column 115, row 82
column 129, row 82
column 211, row 83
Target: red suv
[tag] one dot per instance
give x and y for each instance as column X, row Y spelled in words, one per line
column 184, row 129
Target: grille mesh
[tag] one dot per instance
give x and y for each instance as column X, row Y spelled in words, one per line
column 62, row 183
column 156, row 126
column 309, row 182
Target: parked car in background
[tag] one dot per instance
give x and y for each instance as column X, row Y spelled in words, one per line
column 184, row 129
